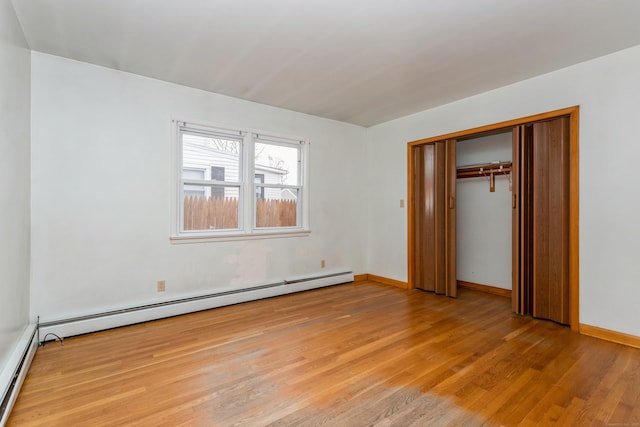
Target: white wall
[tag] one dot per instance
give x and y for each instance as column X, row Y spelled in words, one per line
column 483, row 219
column 608, row 92
column 14, row 182
column 101, row 193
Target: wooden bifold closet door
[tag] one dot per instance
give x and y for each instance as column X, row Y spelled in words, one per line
column 541, row 161
column 434, row 248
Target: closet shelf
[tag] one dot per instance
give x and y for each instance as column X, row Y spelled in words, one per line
column 486, row 169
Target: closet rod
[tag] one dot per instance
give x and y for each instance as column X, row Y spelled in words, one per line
column 486, row 169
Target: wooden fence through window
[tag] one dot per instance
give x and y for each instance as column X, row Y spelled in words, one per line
column 216, row 213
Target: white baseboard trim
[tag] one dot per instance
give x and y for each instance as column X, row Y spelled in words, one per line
column 14, row 372
column 129, row 316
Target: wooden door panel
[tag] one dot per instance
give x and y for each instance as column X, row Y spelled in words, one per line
column 541, row 267
column 526, row 218
column 434, row 254
column 521, row 220
column 450, row 206
column 550, row 220
column 426, row 248
column 516, row 268
column 421, row 263
column 439, row 218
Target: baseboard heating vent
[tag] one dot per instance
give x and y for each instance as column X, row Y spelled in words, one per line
column 326, row 276
column 155, row 305
column 127, row 316
column 13, row 379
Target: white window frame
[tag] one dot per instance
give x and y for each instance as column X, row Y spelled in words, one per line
column 247, row 187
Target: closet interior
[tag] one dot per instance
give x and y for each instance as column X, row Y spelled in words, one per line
column 483, row 237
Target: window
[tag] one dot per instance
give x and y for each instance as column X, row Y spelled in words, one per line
column 235, row 183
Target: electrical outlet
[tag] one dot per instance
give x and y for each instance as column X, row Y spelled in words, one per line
column 322, row 264
column 402, row 203
column 161, row 286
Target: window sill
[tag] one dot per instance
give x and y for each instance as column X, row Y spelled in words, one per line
column 178, row 240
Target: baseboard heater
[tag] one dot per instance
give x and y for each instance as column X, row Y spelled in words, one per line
column 14, row 372
column 143, row 313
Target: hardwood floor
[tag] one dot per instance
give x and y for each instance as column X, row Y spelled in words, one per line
column 348, row 355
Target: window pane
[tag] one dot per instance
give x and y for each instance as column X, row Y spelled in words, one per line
column 278, row 164
column 217, row 157
column 278, row 207
column 210, row 208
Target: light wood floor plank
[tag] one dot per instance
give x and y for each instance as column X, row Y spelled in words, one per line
column 348, row 355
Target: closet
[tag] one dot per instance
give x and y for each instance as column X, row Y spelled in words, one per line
column 544, row 202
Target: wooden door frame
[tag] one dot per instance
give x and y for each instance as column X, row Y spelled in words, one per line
column 574, row 178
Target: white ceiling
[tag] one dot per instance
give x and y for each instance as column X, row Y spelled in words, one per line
column 358, row 61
